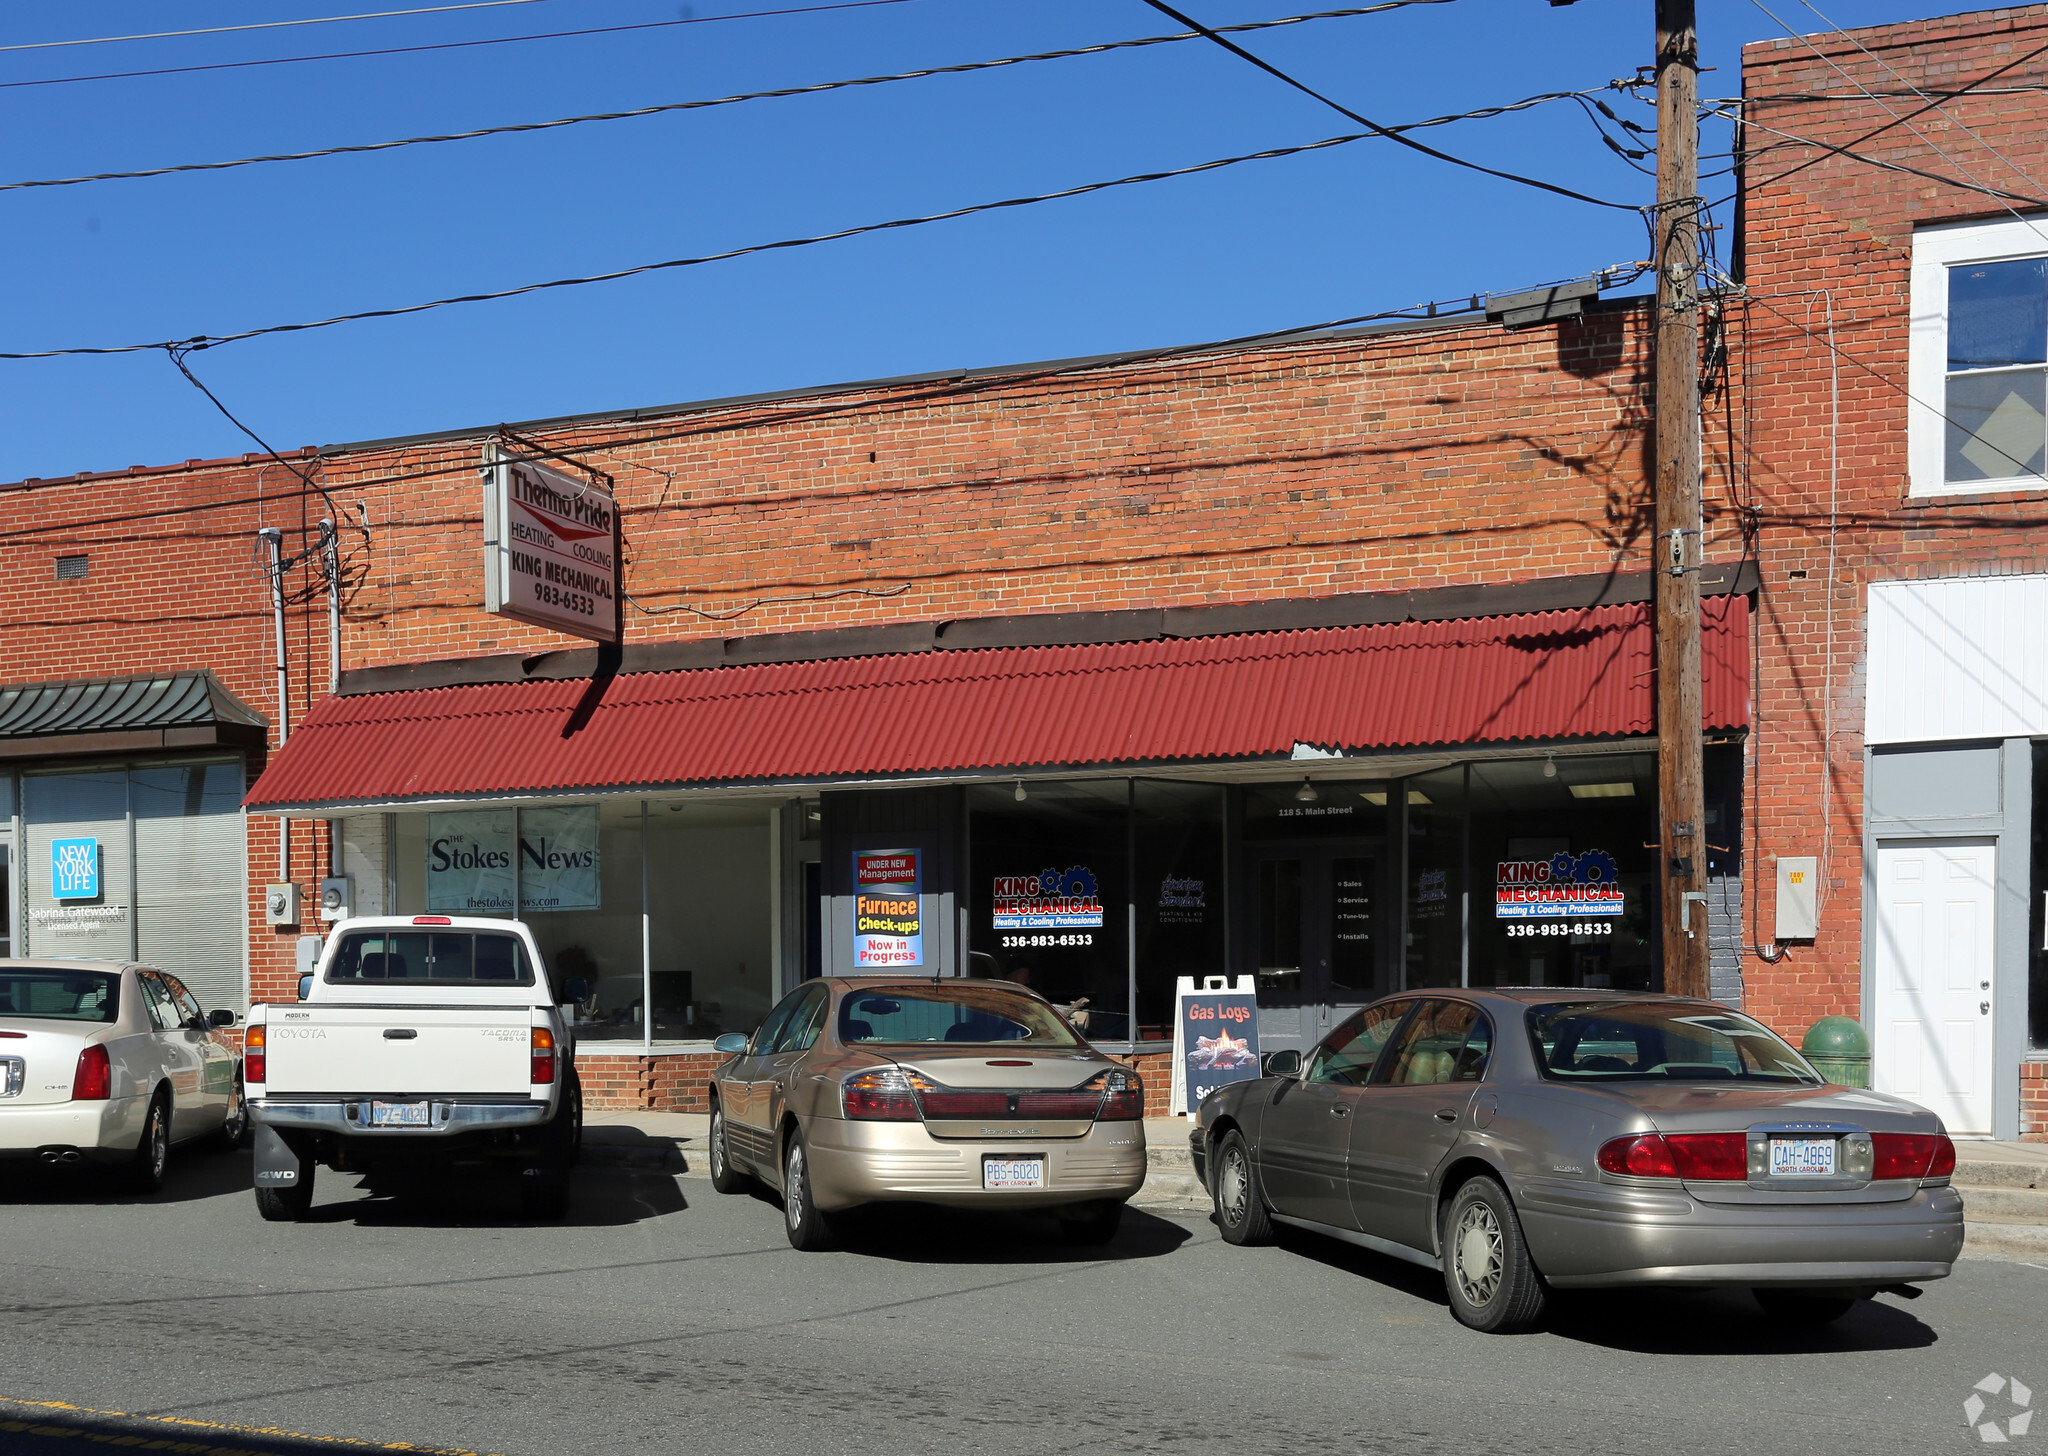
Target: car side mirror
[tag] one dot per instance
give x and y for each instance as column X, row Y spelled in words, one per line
column 305, row 985
column 732, row 1043
column 221, row 1016
column 1283, row 1064
column 575, row 990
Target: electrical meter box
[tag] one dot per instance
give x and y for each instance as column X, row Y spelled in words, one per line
column 281, row 905
column 337, row 897
column 1798, row 897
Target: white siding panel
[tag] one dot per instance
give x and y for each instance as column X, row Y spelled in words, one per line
column 1963, row 657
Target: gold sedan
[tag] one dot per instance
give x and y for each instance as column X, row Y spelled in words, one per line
column 966, row 1093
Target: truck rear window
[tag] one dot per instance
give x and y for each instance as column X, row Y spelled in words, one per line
column 443, row 957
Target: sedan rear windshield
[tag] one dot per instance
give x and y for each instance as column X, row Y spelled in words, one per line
column 1634, row 1042
column 443, row 957
column 950, row 1015
column 50, row 995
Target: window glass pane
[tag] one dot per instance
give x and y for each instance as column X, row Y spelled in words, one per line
column 802, row 1027
column 1997, row 425
column 188, row 1007
column 1347, row 1055
column 1179, row 833
column 1998, row 313
column 1563, row 881
column 1436, row 878
column 1280, row 927
column 1354, row 945
column 60, row 995
column 77, row 832
column 378, row 957
column 972, row 1014
column 452, row 958
column 770, row 1030
column 498, row 958
column 710, row 912
column 161, row 1012
column 190, row 843
column 1049, row 900
column 1618, row 1041
column 1431, row 1049
column 2037, row 933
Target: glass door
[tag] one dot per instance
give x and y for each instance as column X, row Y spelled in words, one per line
column 7, row 892
column 1320, row 927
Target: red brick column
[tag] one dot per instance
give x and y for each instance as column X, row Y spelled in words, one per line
column 2034, row 1102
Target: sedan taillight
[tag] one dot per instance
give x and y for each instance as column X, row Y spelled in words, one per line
column 1123, row 1096
column 255, row 1055
column 1912, row 1155
column 94, row 1079
column 887, row 1094
column 1698, row 1157
column 543, row 1056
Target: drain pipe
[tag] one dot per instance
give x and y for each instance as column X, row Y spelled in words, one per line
column 330, row 566
column 275, row 539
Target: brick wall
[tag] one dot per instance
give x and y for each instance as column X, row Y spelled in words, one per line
column 669, row 1082
column 1830, row 248
column 2034, row 1102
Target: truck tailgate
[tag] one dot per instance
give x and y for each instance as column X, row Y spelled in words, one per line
column 398, row 1050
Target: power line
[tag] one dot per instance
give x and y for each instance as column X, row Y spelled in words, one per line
column 207, row 341
column 1794, row 139
column 450, row 45
column 1374, row 127
column 786, row 91
column 46, row 45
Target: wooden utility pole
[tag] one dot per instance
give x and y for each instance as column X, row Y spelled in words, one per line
column 1682, row 863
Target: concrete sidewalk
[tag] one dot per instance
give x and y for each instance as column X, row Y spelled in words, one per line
column 2004, row 1185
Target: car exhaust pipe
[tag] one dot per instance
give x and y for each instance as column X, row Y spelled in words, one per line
column 54, row 1156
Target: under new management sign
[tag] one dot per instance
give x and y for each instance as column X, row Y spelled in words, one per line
column 551, row 550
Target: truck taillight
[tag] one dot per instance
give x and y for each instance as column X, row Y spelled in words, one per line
column 888, row 1094
column 255, row 1055
column 543, row 1056
column 1912, row 1155
column 94, row 1080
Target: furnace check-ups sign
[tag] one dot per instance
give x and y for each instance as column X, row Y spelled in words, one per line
column 551, row 550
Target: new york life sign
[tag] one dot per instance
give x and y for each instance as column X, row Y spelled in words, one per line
column 551, row 550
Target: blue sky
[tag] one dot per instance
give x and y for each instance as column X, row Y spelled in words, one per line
column 1260, row 246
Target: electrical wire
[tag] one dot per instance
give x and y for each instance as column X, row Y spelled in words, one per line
column 1374, row 127
column 449, row 45
column 779, row 93
column 49, row 45
column 207, row 341
column 1793, row 139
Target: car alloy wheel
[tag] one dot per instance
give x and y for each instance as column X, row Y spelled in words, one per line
column 152, row 1150
column 808, row 1229
column 724, row 1176
column 1240, row 1211
column 1476, row 1255
column 793, row 1189
column 236, row 1127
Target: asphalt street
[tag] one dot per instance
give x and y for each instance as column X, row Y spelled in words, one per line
column 664, row 1317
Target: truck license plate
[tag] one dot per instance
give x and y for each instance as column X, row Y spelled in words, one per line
column 1013, row 1172
column 400, row 1114
column 1802, row 1157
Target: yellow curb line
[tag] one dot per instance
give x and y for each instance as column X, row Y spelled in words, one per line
column 192, row 1448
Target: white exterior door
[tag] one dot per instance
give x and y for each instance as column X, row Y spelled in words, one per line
column 1933, row 1007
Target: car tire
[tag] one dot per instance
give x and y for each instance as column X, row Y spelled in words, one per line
column 145, row 1171
column 724, row 1176
column 1492, row 1282
column 287, row 1205
column 1240, row 1207
column 1802, row 1309
column 235, row 1131
column 808, row 1229
column 565, row 1132
column 1090, row 1224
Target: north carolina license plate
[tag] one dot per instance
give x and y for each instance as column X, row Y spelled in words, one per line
column 1013, row 1172
column 400, row 1114
column 1802, row 1157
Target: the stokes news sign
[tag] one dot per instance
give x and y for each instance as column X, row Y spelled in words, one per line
column 551, row 551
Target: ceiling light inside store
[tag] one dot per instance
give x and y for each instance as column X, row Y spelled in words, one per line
column 1374, row 796
column 1416, row 796
column 1306, row 794
column 1603, row 791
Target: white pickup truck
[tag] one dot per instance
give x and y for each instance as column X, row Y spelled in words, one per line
column 423, row 1041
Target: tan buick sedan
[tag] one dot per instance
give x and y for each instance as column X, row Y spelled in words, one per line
column 965, row 1093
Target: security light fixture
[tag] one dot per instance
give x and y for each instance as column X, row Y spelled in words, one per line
column 1550, row 765
column 1019, row 795
column 1306, row 794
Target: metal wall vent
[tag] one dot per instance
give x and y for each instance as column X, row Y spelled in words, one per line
column 73, row 568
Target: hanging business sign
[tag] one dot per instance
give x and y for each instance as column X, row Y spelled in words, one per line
column 551, row 550
column 1563, row 887
column 1215, row 1036
column 888, row 923
column 470, row 861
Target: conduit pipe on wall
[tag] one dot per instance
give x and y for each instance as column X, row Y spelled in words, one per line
column 274, row 538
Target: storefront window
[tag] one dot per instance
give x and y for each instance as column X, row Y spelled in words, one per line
column 1434, row 954
column 77, row 865
column 191, row 845
column 1321, row 874
column 2037, row 918
column 1049, row 898
column 1181, row 894
column 679, row 905
column 1562, row 878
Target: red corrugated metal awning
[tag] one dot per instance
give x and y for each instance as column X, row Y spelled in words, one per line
column 1573, row 674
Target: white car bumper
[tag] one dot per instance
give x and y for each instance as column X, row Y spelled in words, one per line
column 102, row 1131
